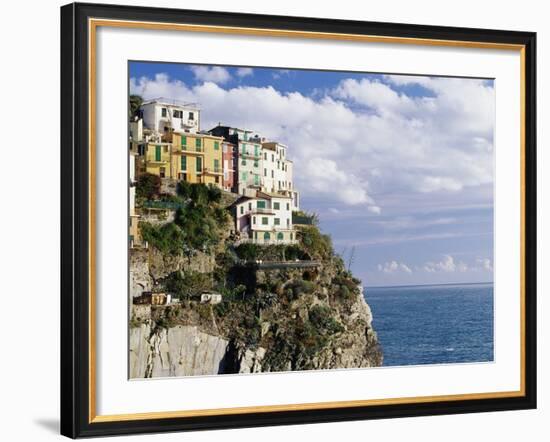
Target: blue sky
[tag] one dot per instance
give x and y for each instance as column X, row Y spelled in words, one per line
column 399, row 168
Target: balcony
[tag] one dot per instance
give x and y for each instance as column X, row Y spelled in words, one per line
column 183, row 150
column 262, row 211
column 213, row 171
column 250, row 156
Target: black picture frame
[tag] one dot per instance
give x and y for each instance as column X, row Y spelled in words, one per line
column 75, row 220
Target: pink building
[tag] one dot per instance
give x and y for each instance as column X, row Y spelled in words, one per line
column 229, row 162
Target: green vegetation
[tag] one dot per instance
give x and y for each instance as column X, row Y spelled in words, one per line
column 185, row 286
column 199, row 219
column 168, row 238
column 134, row 105
column 148, row 186
column 314, row 243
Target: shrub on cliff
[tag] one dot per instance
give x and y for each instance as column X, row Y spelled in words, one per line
column 322, row 319
column 148, row 186
column 167, row 238
column 188, row 285
column 317, row 245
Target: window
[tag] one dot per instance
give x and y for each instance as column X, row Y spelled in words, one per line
column 244, row 176
column 287, row 222
column 291, row 236
column 277, row 221
column 183, row 141
column 256, row 180
column 265, row 172
column 162, row 172
column 191, row 116
column 163, row 112
column 267, row 236
column 243, row 148
column 276, row 206
column 278, row 164
column 261, row 205
column 256, row 150
column 264, row 220
column 216, row 145
column 287, row 206
column 177, row 114
column 272, row 158
column 253, row 220
column 199, row 164
column 249, row 206
column 243, row 162
column 265, row 156
column 157, row 153
column 255, row 235
column 242, row 210
column 183, row 163
column 198, row 144
column 272, row 174
column 216, row 165
column 256, row 164
column 280, row 236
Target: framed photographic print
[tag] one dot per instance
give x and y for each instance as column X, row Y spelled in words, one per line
column 274, row 220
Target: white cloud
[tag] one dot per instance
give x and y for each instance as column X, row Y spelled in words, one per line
column 244, row 72
column 394, row 266
column 447, row 264
column 215, row 74
column 279, row 73
column 485, row 264
column 362, row 138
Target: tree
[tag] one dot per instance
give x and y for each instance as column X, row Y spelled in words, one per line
column 148, row 186
column 135, row 104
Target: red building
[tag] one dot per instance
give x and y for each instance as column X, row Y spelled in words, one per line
column 229, row 161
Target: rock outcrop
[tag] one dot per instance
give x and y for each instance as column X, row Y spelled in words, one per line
column 186, row 351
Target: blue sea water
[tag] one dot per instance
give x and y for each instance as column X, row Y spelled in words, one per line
column 433, row 324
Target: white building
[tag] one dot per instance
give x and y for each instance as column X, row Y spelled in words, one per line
column 265, row 219
column 277, row 171
column 163, row 115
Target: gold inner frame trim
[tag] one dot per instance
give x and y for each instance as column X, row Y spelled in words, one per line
column 93, row 24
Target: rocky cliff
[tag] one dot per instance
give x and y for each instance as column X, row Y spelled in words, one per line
column 284, row 307
column 295, row 320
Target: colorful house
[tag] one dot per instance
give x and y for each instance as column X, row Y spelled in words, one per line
column 229, row 166
column 266, row 219
column 248, row 152
column 197, row 158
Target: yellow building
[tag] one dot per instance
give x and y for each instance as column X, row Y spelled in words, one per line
column 158, row 157
column 196, row 158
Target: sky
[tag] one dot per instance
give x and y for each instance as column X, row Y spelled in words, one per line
column 398, row 168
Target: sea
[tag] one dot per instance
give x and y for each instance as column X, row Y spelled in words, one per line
column 433, row 324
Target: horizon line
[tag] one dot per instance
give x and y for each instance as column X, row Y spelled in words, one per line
column 426, row 285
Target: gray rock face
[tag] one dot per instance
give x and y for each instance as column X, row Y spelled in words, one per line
column 140, row 278
column 186, row 351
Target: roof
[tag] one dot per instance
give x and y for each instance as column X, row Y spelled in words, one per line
column 270, row 195
column 241, row 199
column 171, row 102
column 197, row 134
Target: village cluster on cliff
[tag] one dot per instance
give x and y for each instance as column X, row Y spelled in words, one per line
column 227, row 274
column 166, row 140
